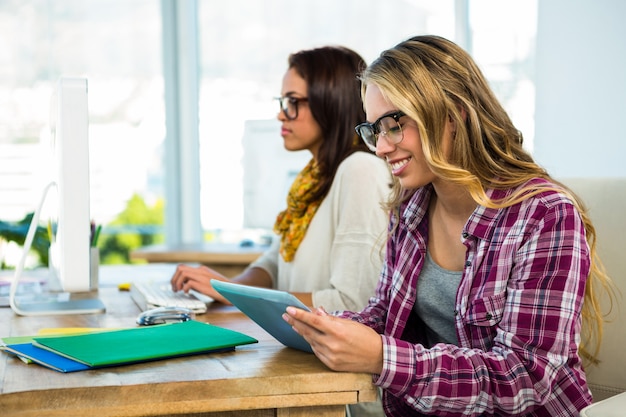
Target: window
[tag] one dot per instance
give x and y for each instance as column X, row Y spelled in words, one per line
column 116, row 45
column 244, row 51
column 244, row 45
column 503, row 43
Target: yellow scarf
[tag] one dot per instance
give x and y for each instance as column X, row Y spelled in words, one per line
column 293, row 222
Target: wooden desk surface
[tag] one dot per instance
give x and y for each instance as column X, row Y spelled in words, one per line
column 262, row 379
column 205, row 253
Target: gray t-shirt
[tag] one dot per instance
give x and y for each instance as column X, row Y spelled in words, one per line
column 436, row 293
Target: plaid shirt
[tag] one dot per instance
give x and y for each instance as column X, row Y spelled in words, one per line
column 517, row 317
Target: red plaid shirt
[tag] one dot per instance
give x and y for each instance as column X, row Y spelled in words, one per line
column 517, row 314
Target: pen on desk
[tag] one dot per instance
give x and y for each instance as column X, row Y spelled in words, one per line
column 96, row 234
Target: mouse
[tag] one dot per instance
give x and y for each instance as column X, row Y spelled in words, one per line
column 246, row 243
column 162, row 315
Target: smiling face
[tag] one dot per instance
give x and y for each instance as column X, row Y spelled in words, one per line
column 303, row 132
column 405, row 158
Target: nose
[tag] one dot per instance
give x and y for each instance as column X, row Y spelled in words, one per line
column 384, row 146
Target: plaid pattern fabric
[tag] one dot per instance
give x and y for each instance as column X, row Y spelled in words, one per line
column 517, row 314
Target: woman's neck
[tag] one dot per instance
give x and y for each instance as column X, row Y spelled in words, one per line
column 454, row 201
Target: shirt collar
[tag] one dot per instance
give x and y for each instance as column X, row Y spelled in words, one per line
column 481, row 223
column 413, row 210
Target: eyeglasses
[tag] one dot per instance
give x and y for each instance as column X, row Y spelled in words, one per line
column 387, row 125
column 289, row 106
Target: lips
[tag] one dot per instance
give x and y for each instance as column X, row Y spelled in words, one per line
column 398, row 166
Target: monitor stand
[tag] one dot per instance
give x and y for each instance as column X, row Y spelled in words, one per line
column 53, row 302
column 55, row 307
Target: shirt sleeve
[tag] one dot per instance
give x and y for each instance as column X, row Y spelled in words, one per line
column 268, row 261
column 375, row 314
column 361, row 185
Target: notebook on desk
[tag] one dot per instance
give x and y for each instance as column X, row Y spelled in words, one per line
column 265, row 307
column 78, row 352
column 149, row 295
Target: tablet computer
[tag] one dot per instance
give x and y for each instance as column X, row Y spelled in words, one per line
column 265, row 306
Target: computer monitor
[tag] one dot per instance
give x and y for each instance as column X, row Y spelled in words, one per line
column 68, row 195
column 268, row 172
column 70, row 247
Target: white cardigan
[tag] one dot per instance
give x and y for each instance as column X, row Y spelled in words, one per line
column 340, row 258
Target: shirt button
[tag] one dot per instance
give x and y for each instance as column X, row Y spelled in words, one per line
column 468, row 263
column 465, row 235
column 488, row 316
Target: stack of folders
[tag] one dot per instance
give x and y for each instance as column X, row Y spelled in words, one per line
column 97, row 349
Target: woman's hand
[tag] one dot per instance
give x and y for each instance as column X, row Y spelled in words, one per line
column 343, row 345
column 197, row 278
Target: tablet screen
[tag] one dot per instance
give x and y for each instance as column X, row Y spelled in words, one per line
column 265, row 307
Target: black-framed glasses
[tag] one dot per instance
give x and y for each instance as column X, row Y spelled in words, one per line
column 387, row 125
column 289, row 106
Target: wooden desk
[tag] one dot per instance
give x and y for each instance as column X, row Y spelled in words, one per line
column 262, row 379
column 229, row 259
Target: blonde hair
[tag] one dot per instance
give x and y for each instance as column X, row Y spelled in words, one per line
column 432, row 80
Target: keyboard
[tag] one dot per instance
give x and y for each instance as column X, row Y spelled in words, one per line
column 149, row 295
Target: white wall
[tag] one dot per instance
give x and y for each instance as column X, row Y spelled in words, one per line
column 580, row 115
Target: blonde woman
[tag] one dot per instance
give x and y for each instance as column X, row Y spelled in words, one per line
column 490, row 264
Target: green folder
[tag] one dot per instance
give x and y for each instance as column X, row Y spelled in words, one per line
column 143, row 344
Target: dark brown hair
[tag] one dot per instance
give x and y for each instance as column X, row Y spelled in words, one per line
column 332, row 77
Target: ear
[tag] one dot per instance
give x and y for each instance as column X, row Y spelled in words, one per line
column 463, row 113
column 453, row 122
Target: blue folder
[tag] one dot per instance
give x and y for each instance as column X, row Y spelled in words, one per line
column 45, row 357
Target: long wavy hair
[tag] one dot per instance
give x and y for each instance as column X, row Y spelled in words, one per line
column 431, row 79
column 332, row 77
